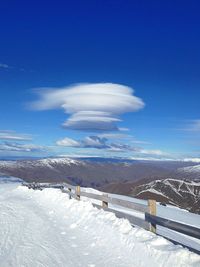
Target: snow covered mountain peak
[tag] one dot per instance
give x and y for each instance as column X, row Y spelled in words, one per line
column 52, row 161
column 41, row 162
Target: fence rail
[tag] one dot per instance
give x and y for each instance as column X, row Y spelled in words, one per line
column 150, row 221
column 173, row 225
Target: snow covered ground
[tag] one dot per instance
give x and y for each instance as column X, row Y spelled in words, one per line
column 170, row 212
column 45, row 228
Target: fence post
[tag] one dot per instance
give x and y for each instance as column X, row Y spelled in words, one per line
column 70, row 197
column 104, row 203
column 78, row 191
column 152, row 211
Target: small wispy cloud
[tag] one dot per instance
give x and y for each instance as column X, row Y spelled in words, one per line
column 12, row 135
column 122, row 136
column 11, row 141
column 104, row 144
column 139, row 142
column 4, row 66
column 91, row 107
column 155, row 152
column 18, row 147
column 192, row 126
column 68, row 142
column 87, row 142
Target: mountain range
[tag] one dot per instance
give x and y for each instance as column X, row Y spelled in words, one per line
column 173, row 182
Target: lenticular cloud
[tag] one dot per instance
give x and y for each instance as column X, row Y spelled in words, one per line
column 92, row 107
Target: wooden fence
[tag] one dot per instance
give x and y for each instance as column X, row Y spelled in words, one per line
column 150, row 221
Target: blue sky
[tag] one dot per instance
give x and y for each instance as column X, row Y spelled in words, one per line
column 151, row 47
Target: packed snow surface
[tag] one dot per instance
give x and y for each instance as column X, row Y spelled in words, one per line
column 45, row 228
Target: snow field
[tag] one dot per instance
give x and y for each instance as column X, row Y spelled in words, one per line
column 45, row 228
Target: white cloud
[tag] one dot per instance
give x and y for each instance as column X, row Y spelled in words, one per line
column 90, row 121
column 87, row 142
column 10, row 146
column 101, row 142
column 11, row 135
column 92, row 107
column 68, row 142
column 104, row 147
column 152, row 152
column 95, row 142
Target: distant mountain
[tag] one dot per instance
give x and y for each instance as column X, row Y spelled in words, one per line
column 184, row 194
column 193, row 171
column 86, row 172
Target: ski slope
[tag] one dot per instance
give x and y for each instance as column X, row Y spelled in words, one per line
column 45, row 228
